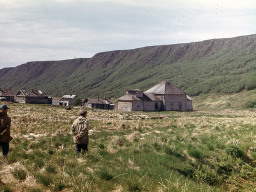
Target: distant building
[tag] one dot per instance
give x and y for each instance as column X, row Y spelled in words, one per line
column 33, row 97
column 6, row 95
column 67, row 100
column 136, row 100
column 98, row 103
column 56, row 101
column 161, row 97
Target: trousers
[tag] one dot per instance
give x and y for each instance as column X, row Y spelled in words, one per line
column 78, row 147
column 5, row 148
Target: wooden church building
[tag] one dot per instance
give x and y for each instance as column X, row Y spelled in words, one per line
column 162, row 97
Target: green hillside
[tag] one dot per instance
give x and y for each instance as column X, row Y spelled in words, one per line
column 219, row 65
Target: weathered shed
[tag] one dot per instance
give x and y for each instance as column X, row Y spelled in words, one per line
column 67, row 100
column 98, row 103
column 33, row 97
column 6, row 95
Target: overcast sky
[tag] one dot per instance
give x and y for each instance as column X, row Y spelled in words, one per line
column 41, row 30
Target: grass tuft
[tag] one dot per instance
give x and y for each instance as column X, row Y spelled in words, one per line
column 19, row 174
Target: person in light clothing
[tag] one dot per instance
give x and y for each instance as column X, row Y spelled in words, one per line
column 80, row 129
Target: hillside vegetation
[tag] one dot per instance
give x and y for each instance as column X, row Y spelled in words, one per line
column 218, row 65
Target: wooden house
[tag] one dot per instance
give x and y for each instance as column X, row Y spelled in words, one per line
column 67, row 100
column 136, row 100
column 161, row 97
column 33, row 97
column 6, row 95
column 98, row 103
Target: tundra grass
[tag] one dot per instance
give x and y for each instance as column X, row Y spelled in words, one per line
column 163, row 151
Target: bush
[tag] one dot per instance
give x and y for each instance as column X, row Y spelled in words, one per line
column 206, row 174
column 194, row 152
column 5, row 188
column 78, row 101
column 50, row 169
column 19, row 174
column 235, row 151
column 105, row 175
column 250, row 104
column 101, row 146
column 46, row 180
column 157, row 146
column 35, row 190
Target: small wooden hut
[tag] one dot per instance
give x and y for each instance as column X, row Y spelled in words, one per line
column 98, row 103
column 6, row 95
column 33, row 97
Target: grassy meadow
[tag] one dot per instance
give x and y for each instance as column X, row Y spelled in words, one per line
column 210, row 149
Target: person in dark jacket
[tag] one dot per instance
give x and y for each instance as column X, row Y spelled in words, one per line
column 5, row 126
column 80, row 128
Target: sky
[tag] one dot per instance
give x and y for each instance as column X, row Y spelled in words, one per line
column 43, row 30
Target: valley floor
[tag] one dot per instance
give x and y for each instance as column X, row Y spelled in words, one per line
column 203, row 150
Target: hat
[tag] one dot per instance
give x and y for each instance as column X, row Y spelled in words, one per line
column 4, row 107
column 82, row 112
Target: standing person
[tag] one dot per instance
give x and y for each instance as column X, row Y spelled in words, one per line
column 80, row 132
column 5, row 125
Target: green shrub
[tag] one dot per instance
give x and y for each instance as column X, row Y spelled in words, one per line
column 157, row 146
column 38, row 163
column 250, row 104
column 105, row 175
column 146, row 148
column 35, row 190
column 172, row 151
column 78, row 101
column 101, row 146
column 59, row 185
column 206, row 174
column 235, row 151
column 46, row 180
column 19, row 174
column 50, row 169
column 186, row 170
column 5, row 188
column 194, row 152
column 135, row 184
column 210, row 146
column 17, row 156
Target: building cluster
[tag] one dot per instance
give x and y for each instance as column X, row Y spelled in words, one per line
column 39, row 97
column 25, row 96
column 162, row 97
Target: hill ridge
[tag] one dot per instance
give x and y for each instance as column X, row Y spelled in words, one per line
column 224, row 65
